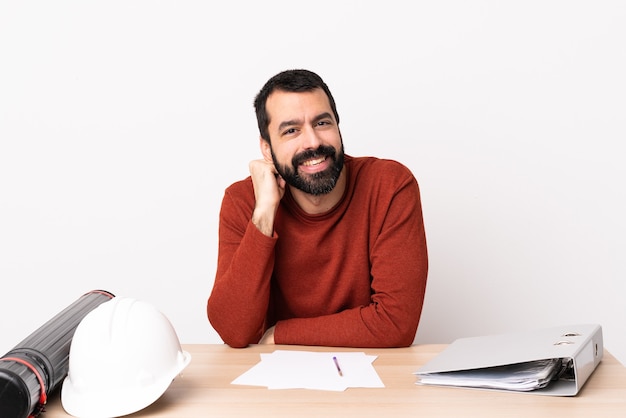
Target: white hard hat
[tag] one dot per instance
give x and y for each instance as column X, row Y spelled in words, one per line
column 123, row 357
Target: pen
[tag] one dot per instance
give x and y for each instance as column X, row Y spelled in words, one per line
column 337, row 365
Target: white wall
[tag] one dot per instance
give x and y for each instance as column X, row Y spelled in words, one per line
column 122, row 122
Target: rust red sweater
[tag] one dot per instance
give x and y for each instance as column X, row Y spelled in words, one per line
column 354, row 276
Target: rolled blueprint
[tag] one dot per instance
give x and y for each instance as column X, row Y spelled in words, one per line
column 36, row 366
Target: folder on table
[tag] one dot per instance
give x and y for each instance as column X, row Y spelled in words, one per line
column 551, row 361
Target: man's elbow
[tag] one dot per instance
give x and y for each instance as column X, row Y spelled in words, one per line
column 399, row 336
column 234, row 340
column 398, row 341
column 236, row 343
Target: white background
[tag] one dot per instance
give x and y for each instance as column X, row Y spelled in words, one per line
column 121, row 123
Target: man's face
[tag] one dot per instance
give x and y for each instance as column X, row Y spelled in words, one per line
column 306, row 145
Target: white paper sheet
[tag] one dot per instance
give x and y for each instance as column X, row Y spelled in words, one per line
column 284, row 369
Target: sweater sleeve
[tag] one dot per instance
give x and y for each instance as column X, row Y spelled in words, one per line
column 399, row 266
column 237, row 306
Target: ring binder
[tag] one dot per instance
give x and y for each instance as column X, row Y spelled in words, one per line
column 465, row 362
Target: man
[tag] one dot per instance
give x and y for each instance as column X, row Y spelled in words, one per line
column 317, row 247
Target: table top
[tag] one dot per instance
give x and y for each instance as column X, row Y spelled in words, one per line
column 204, row 389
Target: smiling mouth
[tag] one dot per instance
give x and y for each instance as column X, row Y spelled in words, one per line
column 313, row 162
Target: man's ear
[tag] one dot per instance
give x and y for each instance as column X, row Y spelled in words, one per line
column 265, row 149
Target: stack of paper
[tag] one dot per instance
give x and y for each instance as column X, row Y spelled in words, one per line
column 521, row 376
column 337, row 371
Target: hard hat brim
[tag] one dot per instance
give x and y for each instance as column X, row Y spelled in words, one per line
column 115, row 401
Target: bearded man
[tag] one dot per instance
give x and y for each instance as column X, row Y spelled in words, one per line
column 317, row 247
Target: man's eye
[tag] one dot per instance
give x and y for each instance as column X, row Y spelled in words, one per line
column 290, row 131
column 323, row 122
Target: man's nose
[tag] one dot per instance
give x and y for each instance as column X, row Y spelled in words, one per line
column 310, row 138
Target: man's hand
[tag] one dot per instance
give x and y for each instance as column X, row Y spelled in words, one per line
column 269, row 188
column 268, row 337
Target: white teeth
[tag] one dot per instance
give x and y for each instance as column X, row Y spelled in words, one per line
column 313, row 162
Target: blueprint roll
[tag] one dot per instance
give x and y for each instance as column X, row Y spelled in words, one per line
column 36, row 366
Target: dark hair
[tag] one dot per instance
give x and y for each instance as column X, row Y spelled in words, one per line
column 289, row 81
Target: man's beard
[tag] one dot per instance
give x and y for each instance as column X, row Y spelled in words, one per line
column 315, row 184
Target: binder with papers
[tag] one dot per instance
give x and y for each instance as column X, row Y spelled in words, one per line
column 552, row 361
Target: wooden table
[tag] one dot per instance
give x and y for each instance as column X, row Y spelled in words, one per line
column 204, row 390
